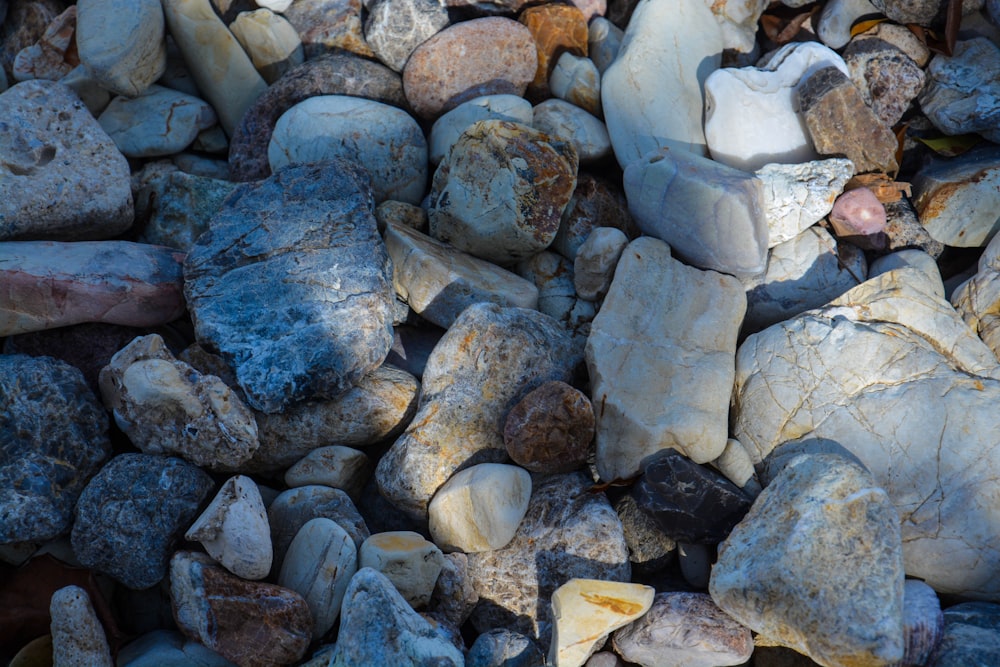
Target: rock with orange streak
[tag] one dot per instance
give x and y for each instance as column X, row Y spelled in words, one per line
column 557, row 29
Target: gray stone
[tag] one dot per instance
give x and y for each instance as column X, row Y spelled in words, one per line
column 271, row 42
column 334, row 466
column 956, row 198
column 411, row 563
column 61, row 176
column 797, row 196
column 927, row 13
column 176, row 207
column 395, row 28
column 132, row 513
column 577, row 81
column 329, row 25
column 923, row 622
column 912, row 258
column 589, row 136
column 78, row 639
column 971, row 636
column 553, row 275
column 136, row 55
column 87, row 89
column 54, row 436
column 604, row 39
column 168, row 648
column 454, row 596
column 450, row 126
column 596, row 202
column 504, row 648
column 649, row 548
column 596, row 260
column 962, row 90
column 887, row 78
column 273, row 277
column 695, row 562
column 903, row 229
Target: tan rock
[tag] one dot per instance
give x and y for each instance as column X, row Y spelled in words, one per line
column 409, row 561
column 234, row 529
column 78, row 639
column 335, row 466
column 270, row 40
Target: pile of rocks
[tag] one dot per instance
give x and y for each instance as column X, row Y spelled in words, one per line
column 398, row 332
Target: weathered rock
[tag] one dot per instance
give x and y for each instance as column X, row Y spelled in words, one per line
column 556, row 29
column 971, row 636
column 234, row 530
column 454, row 596
column 78, row 640
column 650, row 549
column 176, row 207
column 978, row 299
column 553, row 275
column 269, row 250
column 833, row 26
column 922, row 12
column 887, row 78
column 797, row 196
column 25, row 26
column 504, row 648
column 550, row 429
column 909, row 258
column 961, row 91
column 329, row 25
column 596, row 202
column 51, row 57
column 168, row 648
column 859, row 217
column 604, row 40
column 395, row 28
column 335, row 466
column 738, row 20
column 596, row 260
column 135, row 57
column 956, row 198
column 411, row 563
column 903, row 228
column 577, row 80
column 558, row 118
column 271, row 42
column 648, row 395
column 900, row 37
column 451, row 125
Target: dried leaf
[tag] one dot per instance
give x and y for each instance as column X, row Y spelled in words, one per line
column 783, row 24
column 950, row 146
column 884, row 188
column 942, row 43
column 865, row 25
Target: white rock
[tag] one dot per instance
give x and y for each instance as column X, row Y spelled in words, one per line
column 409, row 561
column 797, row 196
column 274, row 5
column 335, row 466
column 652, row 92
column 385, row 139
column 752, row 114
column 234, row 529
column 270, row 40
column 910, row 257
column 450, row 126
column 587, row 133
column 604, row 39
column 122, row 43
column 977, row 300
column 735, row 464
column 738, row 20
column 480, row 508
column 576, row 80
column 837, row 18
column 957, row 198
column 159, row 121
column 595, row 262
column 78, row 638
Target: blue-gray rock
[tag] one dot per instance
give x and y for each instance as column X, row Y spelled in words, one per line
column 132, row 513
column 176, row 207
column 394, row 28
column 158, row 121
column 53, row 438
column 971, row 636
column 292, row 285
column 504, row 648
column 169, row 648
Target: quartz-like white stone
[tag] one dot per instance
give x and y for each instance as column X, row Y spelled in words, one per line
column 595, row 262
column 738, row 19
column 409, row 561
column 958, row 199
column 334, row 466
column 797, row 196
column 234, row 529
column 270, row 40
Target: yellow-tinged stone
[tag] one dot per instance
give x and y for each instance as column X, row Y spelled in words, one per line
column 586, row 611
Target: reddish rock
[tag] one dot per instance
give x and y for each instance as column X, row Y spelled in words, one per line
column 488, row 56
column 596, row 202
column 550, row 429
column 858, row 215
column 556, row 29
column 327, row 25
column 54, row 55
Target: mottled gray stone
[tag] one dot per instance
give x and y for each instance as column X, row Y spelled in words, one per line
column 78, row 639
column 596, row 202
column 553, row 275
column 957, row 198
column 923, row 622
column 132, row 513
column 450, row 126
column 649, row 548
column 504, row 648
column 887, row 78
column 274, row 276
column 54, row 437
column 454, row 597
column 927, row 13
column 604, row 39
column 136, row 55
column 176, row 207
column 329, row 25
column 394, row 28
column 595, row 263
column 159, row 121
column 971, row 636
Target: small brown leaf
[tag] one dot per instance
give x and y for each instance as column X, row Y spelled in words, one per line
column 865, row 25
column 884, row 188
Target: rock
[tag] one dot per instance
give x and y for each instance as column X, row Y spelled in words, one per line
column 501, row 190
column 271, row 42
column 486, row 362
column 900, row 37
column 604, row 40
column 797, row 196
column 454, row 596
column 781, row 558
column 131, row 514
column 223, row 71
column 836, row 19
column 923, row 622
column 168, row 648
column 136, row 57
column 330, row 74
column 556, row 29
column 650, row 549
column 922, row 12
column 498, row 56
column 402, row 214
column 25, row 26
column 395, row 28
column 55, row 438
column 971, row 636
column 909, row 258
column 335, row 466
column 961, row 91
column 165, row 406
column 858, row 215
column 738, row 21
column 248, row 622
column 840, row 123
column 736, row 465
column 320, row 562
column 78, row 639
column 550, row 429
column 246, row 262
column 686, row 630
column 752, row 115
column 177, row 207
column 49, row 57
column 577, row 80
column 955, row 198
column 977, row 300
column 553, row 275
column 234, row 529
column 695, row 562
column 504, row 648
column 479, row 508
column 596, row 202
column 588, row 135
column 329, row 25
column 595, row 262
column 711, row 215
column 61, row 176
column 411, row 563
column 903, row 229
column 439, row 282
column 637, row 380
column 378, row 627
column 886, row 77
column 451, row 125
column 586, row 611
column 604, row 659
column 159, row 121
column 86, row 88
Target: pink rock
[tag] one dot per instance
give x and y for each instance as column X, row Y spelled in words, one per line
column 49, row 284
column 859, row 213
column 54, row 55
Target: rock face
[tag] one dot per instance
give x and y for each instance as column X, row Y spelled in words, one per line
column 971, row 636
column 137, row 57
column 961, row 91
column 550, row 429
column 648, row 395
column 252, row 285
column 926, row 384
column 956, row 198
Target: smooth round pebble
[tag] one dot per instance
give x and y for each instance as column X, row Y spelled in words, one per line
column 450, row 126
column 587, row 133
column 409, row 561
column 160, row 121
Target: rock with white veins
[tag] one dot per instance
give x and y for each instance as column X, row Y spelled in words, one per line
column 78, row 639
column 136, row 57
column 234, row 529
column 662, row 374
column 158, row 121
column 409, row 561
column 797, row 196
column 977, row 300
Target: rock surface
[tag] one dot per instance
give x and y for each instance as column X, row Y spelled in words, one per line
column 137, row 57
column 395, row 28
column 78, row 640
column 797, row 196
column 411, row 563
column 956, row 198
column 550, row 429
column 961, row 91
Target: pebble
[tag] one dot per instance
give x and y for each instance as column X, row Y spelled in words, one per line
column 504, row 648
column 594, row 266
column 797, row 196
column 271, row 42
column 334, row 466
column 447, row 129
column 325, row 25
column 954, row 198
column 50, row 57
column 836, row 19
column 454, row 596
column 604, row 39
column 395, row 28
column 556, row 29
column 168, row 648
column 176, row 206
column 858, row 213
column 962, row 90
column 650, row 549
column 577, row 80
column 886, row 77
column 78, row 639
column 596, row 202
column 23, row 27
column 159, row 121
column 550, row 430
column 411, row 563
column 552, row 274
column 971, row 636
column 589, row 136
column 137, row 56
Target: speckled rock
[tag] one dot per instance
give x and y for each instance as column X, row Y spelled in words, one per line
column 408, row 561
column 971, row 636
column 176, row 207
column 596, row 202
column 449, row 127
column 454, row 596
column 577, row 80
column 61, row 176
column 556, row 29
column 333, row 466
column 797, row 196
column 553, row 275
column 956, row 198
column 922, row 12
column 51, row 57
column 329, row 25
column 394, row 28
column 259, row 253
column 271, row 42
column 25, row 25
column 504, row 648
column 886, row 77
column 903, row 228
column 550, row 429
column 589, row 136
column 595, row 263
column 136, row 57
column 497, row 56
column 78, row 639
column 159, row 121
column 132, row 513
column 650, row 550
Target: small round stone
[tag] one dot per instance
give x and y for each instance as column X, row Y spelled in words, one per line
column 858, row 212
column 550, row 429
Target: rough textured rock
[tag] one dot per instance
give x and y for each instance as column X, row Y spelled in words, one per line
column 550, row 429
column 594, row 266
column 234, row 530
column 922, row 12
column 451, row 125
column 395, row 28
column 887, row 78
column 408, row 561
column 797, row 196
column 650, row 550
column 956, row 198
column 24, row 26
column 971, row 636
column 329, row 25
column 556, row 29
column 596, row 202
column 273, row 244
column 271, row 42
column 52, row 56
column 961, row 91
column 577, row 80
column 738, row 20
column 454, row 596
column 649, row 395
column 78, row 640
column 176, row 207
column 136, row 57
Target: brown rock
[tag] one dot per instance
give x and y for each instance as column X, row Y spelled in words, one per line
column 488, row 56
column 326, row 25
column 54, row 55
column 550, row 429
column 596, row 202
column 24, row 25
column 840, row 123
column 557, row 29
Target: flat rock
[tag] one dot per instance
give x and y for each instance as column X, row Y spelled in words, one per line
column 550, row 429
column 136, row 57
column 961, row 91
column 168, row 648
column 956, row 198
column 78, row 638
column 797, row 196
column 329, row 25
column 587, row 133
column 395, row 28
column 451, row 125
column 234, row 530
column 270, row 40
column 411, row 563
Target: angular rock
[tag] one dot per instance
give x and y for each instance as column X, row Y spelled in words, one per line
column 923, row 622
column 504, row 648
column 971, row 636
column 136, row 57
column 25, row 26
column 550, row 429
column 903, row 228
column 451, row 125
column 177, row 207
column 596, row 202
column 962, row 90
column 649, row 395
column 411, row 563
column 650, row 549
column 886, row 77
column 558, row 118
column 454, row 596
column 51, row 57
column 234, row 530
column 78, row 640
column 738, row 20
column 168, row 648
column 556, row 29
column 956, row 198
column 596, row 260
column 329, row 25
column 271, row 42
column 978, row 299
column 395, row 28
column 797, row 196
column 577, row 80
column 402, row 214
column 335, row 466
column 325, row 287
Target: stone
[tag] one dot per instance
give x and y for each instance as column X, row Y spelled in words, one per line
column 840, row 123
column 205, row 166
column 168, row 648
column 923, row 622
column 900, row 37
column 833, row 26
column 451, row 125
column 604, row 39
column 903, row 229
column 858, row 215
column 439, row 282
column 652, row 92
column 736, row 465
column 577, row 80
column 589, row 136
column 501, row 191
column 604, row 659
column 886, row 77
column 177, row 206
column 78, row 640
column 971, row 636
column 955, row 198
column 550, row 429
column 479, row 508
column 222, row 70
column 485, row 363
column 329, row 25
column 165, row 406
column 273, row 243
column 454, row 596
column 596, row 260
column 797, row 196
column 961, row 91
column 23, row 27
column 738, row 21
column 925, row 13
column 556, row 29
column 378, row 627
column 320, row 562
column 586, row 611
column 87, row 89
column 159, row 121
column 250, row 623
column 271, row 42
column 334, row 466
column 504, row 648
column 132, row 513
column 136, row 57
column 711, row 215
column 55, row 438
column 234, row 529
column 329, row 74
column 977, row 300
column 695, row 562
column 50, row 58
column 402, row 214
column 395, row 28
column 411, row 563
column 553, row 275
column 781, row 558
column 909, row 258
column 650, row 549
column 636, row 379
column 752, row 115
column 498, row 56
column 61, row 176
column 686, row 630
column 596, row 202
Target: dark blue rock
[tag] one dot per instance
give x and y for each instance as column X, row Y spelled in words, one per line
column 971, row 637
column 53, row 439
column 292, row 285
column 132, row 513
column 504, row 648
